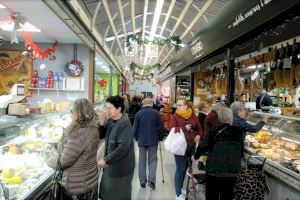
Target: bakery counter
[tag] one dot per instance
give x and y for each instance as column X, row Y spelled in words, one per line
column 279, row 142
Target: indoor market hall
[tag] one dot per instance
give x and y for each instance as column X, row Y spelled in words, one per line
column 149, row 99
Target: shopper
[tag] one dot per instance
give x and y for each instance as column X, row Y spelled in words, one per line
column 203, row 112
column 225, row 145
column 134, row 107
column 126, row 103
column 184, row 119
column 147, row 130
column 77, row 153
column 239, row 115
column 119, row 162
column 263, row 100
column 211, row 120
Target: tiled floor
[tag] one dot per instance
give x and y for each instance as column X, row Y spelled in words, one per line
column 164, row 191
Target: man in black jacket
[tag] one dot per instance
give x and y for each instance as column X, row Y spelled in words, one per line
column 224, row 144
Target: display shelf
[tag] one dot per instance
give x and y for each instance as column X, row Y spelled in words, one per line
column 276, row 115
column 53, row 89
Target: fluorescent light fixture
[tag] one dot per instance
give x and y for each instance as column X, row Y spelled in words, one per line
column 24, row 27
column 254, row 66
column 2, row 6
column 99, row 63
column 157, row 12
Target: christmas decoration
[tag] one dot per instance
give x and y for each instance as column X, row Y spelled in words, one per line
column 74, row 68
column 131, row 39
column 35, row 79
column 43, row 67
column 25, row 55
column 36, row 51
column 102, row 83
column 143, row 72
column 50, row 80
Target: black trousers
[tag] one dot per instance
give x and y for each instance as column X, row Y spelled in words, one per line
column 219, row 188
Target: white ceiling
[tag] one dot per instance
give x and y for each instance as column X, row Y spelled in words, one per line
column 38, row 14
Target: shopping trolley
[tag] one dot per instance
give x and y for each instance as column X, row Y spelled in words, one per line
column 194, row 182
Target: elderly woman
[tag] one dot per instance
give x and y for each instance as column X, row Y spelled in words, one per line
column 119, row 162
column 77, row 154
column 186, row 120
column 239, row 115
column 225, row 145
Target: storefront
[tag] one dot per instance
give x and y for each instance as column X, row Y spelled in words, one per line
column 49, row 66
column 236, row 57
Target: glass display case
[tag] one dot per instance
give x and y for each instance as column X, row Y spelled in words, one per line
column 23, row 171
column 279, row 142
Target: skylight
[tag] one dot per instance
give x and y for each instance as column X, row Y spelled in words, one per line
column 24, row 27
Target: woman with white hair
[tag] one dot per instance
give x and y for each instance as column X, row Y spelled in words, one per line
column 239, row 115
column 225, row 145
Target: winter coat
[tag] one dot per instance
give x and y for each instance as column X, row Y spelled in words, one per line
column 78, row 159
column 147, row 127
column 245, row 126
column 179, row 122
column 225, row 147
column 119, row 155
column 211, row 120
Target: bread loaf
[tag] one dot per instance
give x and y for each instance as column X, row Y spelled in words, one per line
column 291, row 146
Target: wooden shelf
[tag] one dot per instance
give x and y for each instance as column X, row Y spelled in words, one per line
column 53, row 89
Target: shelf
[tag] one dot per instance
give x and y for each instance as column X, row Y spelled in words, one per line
column 50, row 89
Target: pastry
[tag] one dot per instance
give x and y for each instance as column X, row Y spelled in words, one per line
column 264, row 146
column 291, row 146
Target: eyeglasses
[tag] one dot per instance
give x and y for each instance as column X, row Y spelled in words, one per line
column 180, row 105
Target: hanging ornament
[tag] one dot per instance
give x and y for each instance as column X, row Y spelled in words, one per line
column 74, row 68
column 17, row 21
column 25, row 55
column 43, row 67
column 52, row 57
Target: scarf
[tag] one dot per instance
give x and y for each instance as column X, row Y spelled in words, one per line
column 185, row 114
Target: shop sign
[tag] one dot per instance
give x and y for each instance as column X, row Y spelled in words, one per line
column 235, row 19
column 14, row 69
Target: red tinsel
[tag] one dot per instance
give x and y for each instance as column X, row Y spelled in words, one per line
column 102, row 83
column 36, row 51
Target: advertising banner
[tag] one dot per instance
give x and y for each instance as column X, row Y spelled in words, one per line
column 14, row 69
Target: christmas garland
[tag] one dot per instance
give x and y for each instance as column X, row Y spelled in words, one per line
column 147, row 74
column 131, row 39
column 74, row 68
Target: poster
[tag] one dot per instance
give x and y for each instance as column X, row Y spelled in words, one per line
column 14, row 69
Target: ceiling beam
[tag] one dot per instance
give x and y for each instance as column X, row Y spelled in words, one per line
column 184, row 11
column 95, row 15
column 133, row 19
column 172, row 4
column 122, row 17
column 144, row 27
column 106, row 8
column 202, row 10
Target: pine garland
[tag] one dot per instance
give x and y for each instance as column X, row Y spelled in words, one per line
column 147, row 74
column 131, row 39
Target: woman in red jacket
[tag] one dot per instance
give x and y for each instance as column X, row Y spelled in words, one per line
column 185, row 119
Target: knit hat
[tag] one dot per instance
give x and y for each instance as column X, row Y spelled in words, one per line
column 147, row 101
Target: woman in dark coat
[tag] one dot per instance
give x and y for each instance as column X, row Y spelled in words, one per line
column 119, row 162
column 225, row 144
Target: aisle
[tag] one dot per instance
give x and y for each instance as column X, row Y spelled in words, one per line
column 164, row 191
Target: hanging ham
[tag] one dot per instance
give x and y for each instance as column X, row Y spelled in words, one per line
column 239, row 87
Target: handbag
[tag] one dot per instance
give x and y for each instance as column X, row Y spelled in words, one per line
column 175, row 143
column 251, row 183
column 55, row 191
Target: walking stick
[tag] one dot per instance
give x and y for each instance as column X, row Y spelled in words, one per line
column 161, row 163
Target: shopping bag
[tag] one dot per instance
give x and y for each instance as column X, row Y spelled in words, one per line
column 251, row 183
column 100, row 151
column 175, row 143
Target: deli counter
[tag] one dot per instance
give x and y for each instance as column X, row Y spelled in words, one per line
column 23, row 171
column 279, row 142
